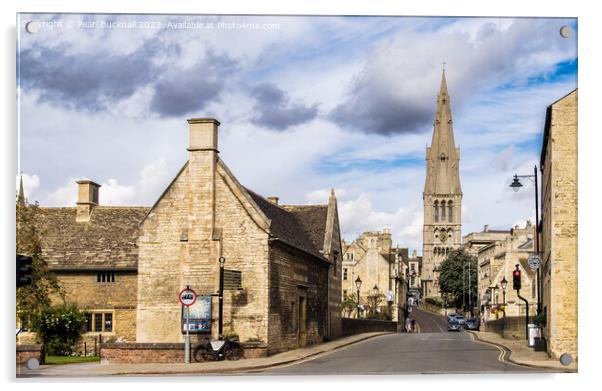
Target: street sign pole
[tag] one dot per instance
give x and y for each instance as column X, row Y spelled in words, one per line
column 187, row 340
column 187, row 297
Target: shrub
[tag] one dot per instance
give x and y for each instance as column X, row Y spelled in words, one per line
column 60, row 327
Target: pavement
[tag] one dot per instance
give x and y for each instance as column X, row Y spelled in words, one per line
column 520, row 353
column 217, row 368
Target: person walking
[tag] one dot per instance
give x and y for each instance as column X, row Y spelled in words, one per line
column 408, row 325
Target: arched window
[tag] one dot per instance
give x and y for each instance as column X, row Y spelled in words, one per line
column 450, row 212
column 442, row 210
column 436, row 211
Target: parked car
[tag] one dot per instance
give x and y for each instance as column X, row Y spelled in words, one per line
column 460, row 319
column 451, row 316
column 473, row 324
column 453, row 325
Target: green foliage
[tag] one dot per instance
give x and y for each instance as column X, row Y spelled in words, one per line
column 61, row 360
column 349, row 305
column 231, row 336
column 373, row 302
column 33, row 299
column 540, row 319
column 458, row 273
column 254, row 340
column 59, row 327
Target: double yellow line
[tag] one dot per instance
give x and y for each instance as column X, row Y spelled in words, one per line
column 501, row 357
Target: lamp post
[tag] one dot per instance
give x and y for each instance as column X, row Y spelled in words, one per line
column 358, row 285
column 504, row 283
column 222, row 261
column 375, row 295
column 516, row 185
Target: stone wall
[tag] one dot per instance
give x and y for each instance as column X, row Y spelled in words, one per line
column 357, row 326
column 559, row 226
column 25, row 352
column 137, row 353
column 294, row 274
column 510, row 327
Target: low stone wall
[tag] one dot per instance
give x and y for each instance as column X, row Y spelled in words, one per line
column 509, row 327
column 435, row 309
column 357, row 326
column 25, row 352
column 135, row 353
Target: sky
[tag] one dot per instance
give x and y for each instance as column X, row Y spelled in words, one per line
column 306, row 104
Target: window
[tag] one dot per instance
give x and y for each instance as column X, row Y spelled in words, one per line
column 436, row 211
column 88, row 323
column 442, row 210
column 450, row 212
column 99, row 322
column 345, row 274
column 344, row 292
column 105, row 277
column 412, row 282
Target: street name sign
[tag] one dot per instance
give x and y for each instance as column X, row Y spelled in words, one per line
column 534, row 261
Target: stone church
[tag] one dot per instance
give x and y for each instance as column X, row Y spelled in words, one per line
column 442, row 196
column 124, row 266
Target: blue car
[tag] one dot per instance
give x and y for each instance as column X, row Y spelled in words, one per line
column 453, row 325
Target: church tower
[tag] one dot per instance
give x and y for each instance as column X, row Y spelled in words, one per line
column 442, row 196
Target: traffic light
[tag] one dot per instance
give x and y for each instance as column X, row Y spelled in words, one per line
column 23, row 270
column 516, row 279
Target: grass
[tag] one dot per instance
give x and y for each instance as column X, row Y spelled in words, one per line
column 61, row 360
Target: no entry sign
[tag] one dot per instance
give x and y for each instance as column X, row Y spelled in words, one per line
column 187, row 297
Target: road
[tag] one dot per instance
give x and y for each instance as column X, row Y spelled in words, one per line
column 433, row 350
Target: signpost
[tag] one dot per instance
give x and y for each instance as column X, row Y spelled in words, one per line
column 534, row 261
column 187, row 297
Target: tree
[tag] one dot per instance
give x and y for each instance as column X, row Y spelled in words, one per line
column 350, row 305
column 458, row 278
column 32, row 299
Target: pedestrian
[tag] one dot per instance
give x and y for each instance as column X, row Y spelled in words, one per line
column 408, row 325
column 413, row 325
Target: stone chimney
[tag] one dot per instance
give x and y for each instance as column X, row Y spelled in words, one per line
column 273, row 200
column 202, row 161
column 486, row 228
column 87, row 199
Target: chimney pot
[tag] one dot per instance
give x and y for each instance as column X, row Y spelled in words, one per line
column 486, row 228
column 273, row 200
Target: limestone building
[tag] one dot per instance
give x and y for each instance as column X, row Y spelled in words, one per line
column 373, row 259
column 559, row 226
column 93, row 251
column 496, row 262
column 442, row 196
column 124, row 266
column 289, row 256
column 475, row 241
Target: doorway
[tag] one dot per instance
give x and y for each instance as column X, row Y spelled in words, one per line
column 302, row 319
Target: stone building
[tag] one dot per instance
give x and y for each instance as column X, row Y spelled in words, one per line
column 442, row 196
column 93, row 251
column 559, row 226
column 124, row 266
column 497, row 261
column 373, row 259
column 289, row 256
column 475, row 241
column 413, row 272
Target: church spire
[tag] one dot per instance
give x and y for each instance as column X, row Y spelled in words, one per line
column 443, row 88
column 21, row 195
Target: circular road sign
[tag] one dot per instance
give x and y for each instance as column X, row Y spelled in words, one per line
column 534, row 261
column 187, row 297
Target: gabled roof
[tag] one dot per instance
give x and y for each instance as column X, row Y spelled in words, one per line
column 300, row 226
column 108, row 240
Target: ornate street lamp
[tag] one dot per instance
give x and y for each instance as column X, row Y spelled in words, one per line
column 504, row 283
column 516, row 185
column 358, row 285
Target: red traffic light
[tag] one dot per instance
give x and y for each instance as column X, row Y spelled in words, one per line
column 516, row 280
column 517, row 273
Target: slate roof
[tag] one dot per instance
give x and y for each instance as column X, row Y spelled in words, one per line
column 107, row 241
column 301, row 226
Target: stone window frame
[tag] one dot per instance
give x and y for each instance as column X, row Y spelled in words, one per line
column 345, row 273
column 90, row 326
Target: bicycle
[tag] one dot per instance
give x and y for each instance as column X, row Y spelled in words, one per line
column 218, row 350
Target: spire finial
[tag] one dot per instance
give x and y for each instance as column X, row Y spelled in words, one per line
column 443, row 66
column 332, row 192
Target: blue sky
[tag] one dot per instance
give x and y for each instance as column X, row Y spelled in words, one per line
column 306, row 104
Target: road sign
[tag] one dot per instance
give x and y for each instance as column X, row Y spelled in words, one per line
column 534, row 261
column 187, row 297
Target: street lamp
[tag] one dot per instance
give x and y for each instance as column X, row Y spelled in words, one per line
column 375, row 290
column 516, row 185
column 504, row 283
column 222, row 261
column 358, row 285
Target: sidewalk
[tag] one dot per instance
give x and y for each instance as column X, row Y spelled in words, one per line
column 215, row 367
column 522, row 354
